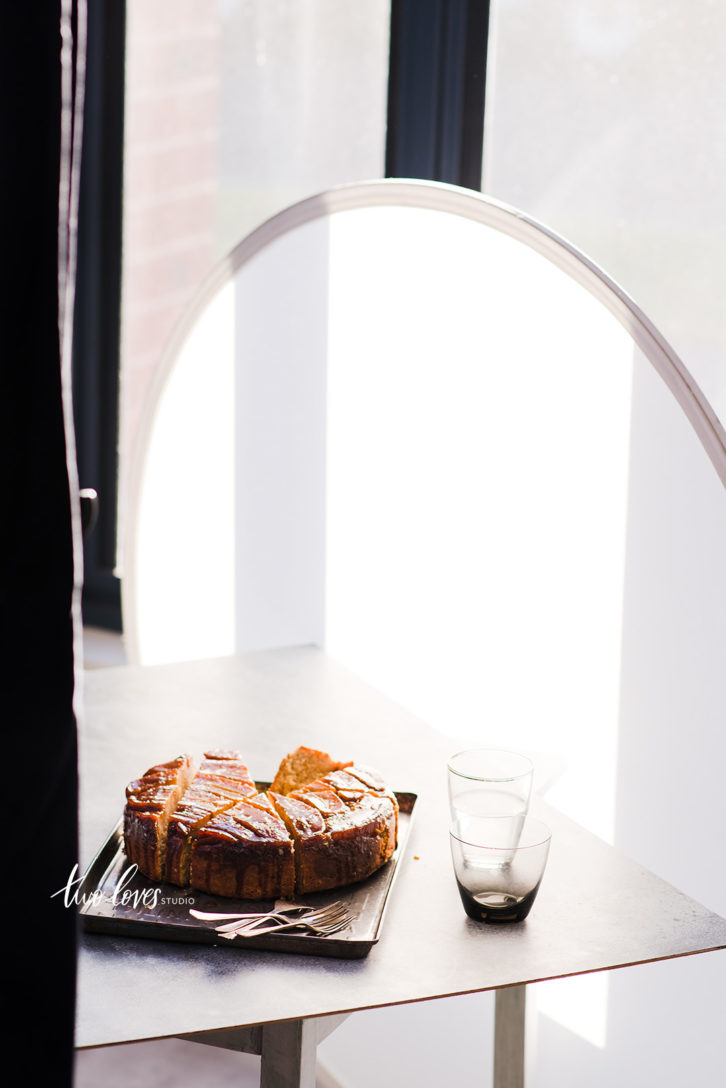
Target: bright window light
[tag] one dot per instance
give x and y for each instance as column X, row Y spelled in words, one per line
column 477, row 471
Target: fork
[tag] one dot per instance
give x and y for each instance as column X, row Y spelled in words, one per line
column 322, row 921
column 281, row 910
column 322, row 930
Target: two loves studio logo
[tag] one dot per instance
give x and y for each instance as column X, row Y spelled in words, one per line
column 123, row 894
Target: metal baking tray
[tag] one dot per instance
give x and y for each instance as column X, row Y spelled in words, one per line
column 123, row 903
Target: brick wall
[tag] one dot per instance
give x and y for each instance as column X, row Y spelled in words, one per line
column 170, row 184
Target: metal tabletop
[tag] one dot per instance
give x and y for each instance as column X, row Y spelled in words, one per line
column 596, row 909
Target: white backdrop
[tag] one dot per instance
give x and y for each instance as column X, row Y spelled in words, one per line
column 411, row 439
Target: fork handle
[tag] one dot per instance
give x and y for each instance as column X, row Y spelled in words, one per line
column 207, row 916
column 255, row 929
column 249, row 920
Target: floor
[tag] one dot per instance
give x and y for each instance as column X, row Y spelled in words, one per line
column 168, row 1063
column 102, row 648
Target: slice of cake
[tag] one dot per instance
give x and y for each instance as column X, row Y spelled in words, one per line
column 356, row 781
column 150, row 801
column 221, row 781
column 245, row 852
column 309, row 832
column 302, row 766
column 226, row 767
column 338, row 839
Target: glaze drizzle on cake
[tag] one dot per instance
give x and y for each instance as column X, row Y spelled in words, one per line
column 322, row 824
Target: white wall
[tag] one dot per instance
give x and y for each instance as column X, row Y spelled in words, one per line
column 523, row 544
column 602, row 635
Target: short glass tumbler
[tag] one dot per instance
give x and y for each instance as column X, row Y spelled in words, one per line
column 485, row 783
column 499, row 883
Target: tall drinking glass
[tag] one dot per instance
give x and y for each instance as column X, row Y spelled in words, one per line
column 489, row 792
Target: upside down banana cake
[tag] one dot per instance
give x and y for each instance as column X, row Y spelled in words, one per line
column 321, row 824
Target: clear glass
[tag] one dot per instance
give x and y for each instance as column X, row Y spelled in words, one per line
column 499, row 883
column 604, row 119
column 489, row 792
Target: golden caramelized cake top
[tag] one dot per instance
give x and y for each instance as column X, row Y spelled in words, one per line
column 155, row 788
column 227, row 765
column 302, row 819
column 321, row 797
column 338, row 811
column 221, row 781
column 253, row 818
column 371, row 779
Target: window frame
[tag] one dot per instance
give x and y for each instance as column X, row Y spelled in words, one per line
column 96, row 324
column 435, row 132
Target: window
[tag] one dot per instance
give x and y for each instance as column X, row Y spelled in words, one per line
column 230, row 112
column 604, row 120
column 233, row 111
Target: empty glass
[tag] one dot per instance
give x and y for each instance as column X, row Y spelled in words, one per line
column 486, row 783
column 498, row 881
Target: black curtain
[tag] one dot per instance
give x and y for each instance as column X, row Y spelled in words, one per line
column 38, row 498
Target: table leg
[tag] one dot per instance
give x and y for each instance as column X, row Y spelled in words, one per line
column 288, row 1054
column 288, row 1050
column 513, row 1043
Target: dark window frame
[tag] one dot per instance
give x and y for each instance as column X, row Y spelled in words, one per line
column 96, row 324
column 435, row 131
column 436, row 90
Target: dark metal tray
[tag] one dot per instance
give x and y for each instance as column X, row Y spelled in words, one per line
column 122, row 903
